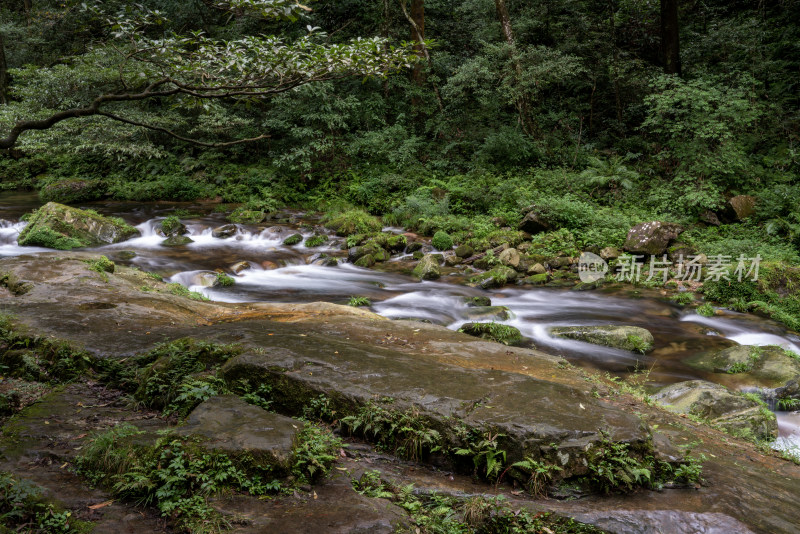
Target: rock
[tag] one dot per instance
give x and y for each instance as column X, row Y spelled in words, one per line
column 451, row 260
column 631, row 338
column 507, row 335
column 225, row 231
column 413, row 247
column 509, row 257
column 560, row 262
column 245, row 216
column 240, row 266
column 177, row 241
column 477, row 301
column 235, row 427
column 125, row 255
column 610, row 253
column 536, row 279
column 62, row 227
column 710, row 218
column 651, row 238
column 488, row 313
column 768, row 367
column 206, row 279
column 720, row 406
column 418, row 255
column 293, row 239
column 674, row 252
column 464, row 251
column 497, row 277
column 369, row 249
column 537, row 268
column 534, row 222
column 171, row 226
column 739, row 207
column 365, row 261
column 427, row 268
column 270, row 265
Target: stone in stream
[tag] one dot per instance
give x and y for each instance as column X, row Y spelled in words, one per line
column 206, row 279
column 63, row 227
column 170, row 227
column 507, row 335
column 768, row 367
column 720, row 406
column 651, row 238
column 509, row 257
column 225, row 231
column 488, row 313
column 477, row 301
column 497, row 277
column 464, row 251
column 427, row 268
column 177, row 241
column 631, row 338
column 293, row 239
column 232, row 426
column 240, row 266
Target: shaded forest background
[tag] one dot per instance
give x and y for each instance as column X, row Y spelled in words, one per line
column 607, row 113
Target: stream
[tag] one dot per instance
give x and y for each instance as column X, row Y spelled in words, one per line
column 281, row 273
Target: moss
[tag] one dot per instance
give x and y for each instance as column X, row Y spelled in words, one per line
column 14, row 284
column 49, row 238
column 505, row 334
column 246, row 216
column 182, row 291
column 225, row 280
column 352, row 222
column 64, row 228
column 316, row 240
column 172, row 225
column 101, row 265
column 293, row 240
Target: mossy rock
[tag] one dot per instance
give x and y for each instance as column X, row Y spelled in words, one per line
column 736, row 413
column 316, row 240
column 369, row 249
column 507, row 335
column 442, row 241
column 488, row 313
column 413, row 247
column 72, row 190
column 427, row 268
column 177, row 241
column 497, row 277
column 245, row 216
column 477, row 301
column 366, row 261
column 171, row 226
column 352, row 222
column 464, row 251
column 63, row 227
column 536, row 279
column 225, row 231
column 631, row 338
column 293, row 239
column 769, row 367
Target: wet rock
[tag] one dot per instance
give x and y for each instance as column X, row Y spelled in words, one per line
column 177, row 241
column 610, row 253
column 323, row 260
column 240, row 266
column 739, row 207
column 464, row 251
column 451, row 260
column 225, row 231
column 651, row 238
column 631, row 338
column 497, row 277
column 270, row 265
column 414, row 246
column 365, row 261
column 125, row 255
column 536, row 279
column 537, row 268
column 488, row 313
column 171, row 226
column 710, row 218
column 232, row 426
column 293, row 239
column 720, row 406
column 63, row 227
column 560, row 262
column 477, row 301
column 418, row 255
column 370, row 249
column 769, row 367
column 207, row 279
column 507, row 335
column 509, row 257
column 427, row 268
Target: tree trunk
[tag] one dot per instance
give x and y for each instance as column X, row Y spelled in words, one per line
column 418, row 35
column 3, row 73
column 615, row 59
column 670, row 43
column 523, row 102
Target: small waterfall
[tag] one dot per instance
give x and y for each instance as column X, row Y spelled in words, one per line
column 9, row 231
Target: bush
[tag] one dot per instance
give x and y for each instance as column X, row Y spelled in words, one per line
column 442, row 241
column 352, row 222
column 72, row 191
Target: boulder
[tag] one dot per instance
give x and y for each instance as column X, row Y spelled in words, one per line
column 537, row 268
column 610, row 253
column 293, row 239
column 205, row 279
column 366, row 261
column 370, row 249
column 651, row 238
column 739, row 207
column 536, row 279
column 64, row 228
column 451, row 260
column 427, row 268
column 710, row 218
column 720, row 406
column 225, row 231
column 464, row 251
column 535, row 222
column 507, row 335
column 488, row 313
column 477, row 301
column 413, row 247
column 509, row 257
column 240, row 266
column 631, row 338
column 232, row 426
column 769, row 367
column 497, row 277
column 177, row 241
column 171, row 227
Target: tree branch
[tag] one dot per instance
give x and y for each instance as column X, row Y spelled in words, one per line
column 176, row 136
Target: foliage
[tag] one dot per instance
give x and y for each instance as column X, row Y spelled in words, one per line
column 359, row 301
column 316, row 240
column 442, row 241
column 224, row 280
column 505, row 334
column 23, row 508
column 351, row 222
column 101, row 265
column 181, row 290
column 316, row 450
column 706, row 310
column 486, row 454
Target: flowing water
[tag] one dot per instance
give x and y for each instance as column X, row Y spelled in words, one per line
column 289, row 274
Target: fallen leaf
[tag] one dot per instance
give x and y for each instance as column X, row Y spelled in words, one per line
column 582, row 406
column 315, row 495
column 64, row 465
column 101, row 505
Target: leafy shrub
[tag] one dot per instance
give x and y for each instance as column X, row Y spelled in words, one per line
column 359, row 301
column 351, row 222
column 442, row 241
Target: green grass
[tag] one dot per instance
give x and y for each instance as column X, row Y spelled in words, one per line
column 706, row 310
column 316, row 241
column 224, row 280
column 359, row 301
column 182, row 291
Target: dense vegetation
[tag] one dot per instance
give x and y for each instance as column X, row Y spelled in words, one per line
column 575, row 106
